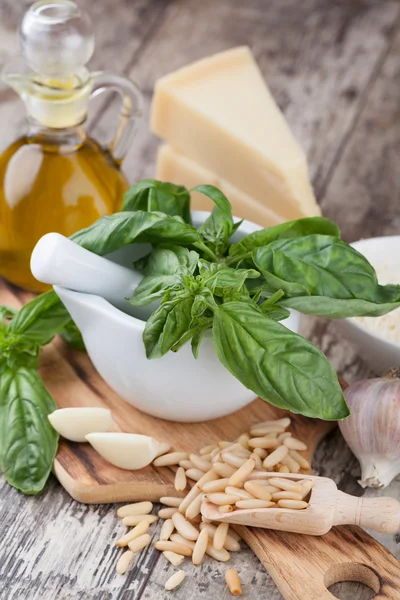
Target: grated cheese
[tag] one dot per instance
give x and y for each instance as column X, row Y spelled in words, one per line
column 388, row 325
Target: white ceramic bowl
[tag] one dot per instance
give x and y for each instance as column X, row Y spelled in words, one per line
column 378, row 352
column 176, row 387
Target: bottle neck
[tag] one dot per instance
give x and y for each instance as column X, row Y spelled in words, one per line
column 61, row 141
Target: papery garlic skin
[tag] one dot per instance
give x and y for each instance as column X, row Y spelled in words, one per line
column 129, row 451
column 373, row 429
column 75, row 423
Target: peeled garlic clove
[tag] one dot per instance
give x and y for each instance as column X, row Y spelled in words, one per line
column 125, row 450
column 75, row 424
column 373, row 429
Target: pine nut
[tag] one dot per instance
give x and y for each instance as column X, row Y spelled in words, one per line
column 215, row 452
column 261, row 452
column 209, row 476
column 232, row 539
column 194, row 474
column 220, row 536
column 293, row 465
column 283, row 436
column 167, row 460
column 304, row 464
column 167, row 513
column 188, row 499
column 242, row 473
column 243, row 440
column 174, row 559
column 265, row 429
column 136, row 519
column 258, row 462
column 283, row 469
column 223, row 444
column 183, row 527
column 233, row 582
column 286, row 495
column 257, row 491
column 138, row 508
column 232, row 460
column 167, row 545
column 263, row 442
column 238, row 450
column 166, row 530
column 264, row 482
column 294, row 444
column 239, row 492
column 200, row 463
column 200, row 547
column 254, row 504
column 180, row 482
column 225, row 508
column 207, row 449
column 140, row 542
column 194, row 508
column 285, row 484
column 284, row 422
column 275, row 457
column 218, row 485
column 220, row 498
column 306, row 487
column 124, row 561
column 221, row 555
column 170, row 500
column 175, row 580
column 163, row 449
column 223, row 469
column 136, row 532
column 186, row 464
column 294, row 504
column 180, row 539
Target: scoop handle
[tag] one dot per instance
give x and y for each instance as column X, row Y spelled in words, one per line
column 379, row 514
column 56, row 260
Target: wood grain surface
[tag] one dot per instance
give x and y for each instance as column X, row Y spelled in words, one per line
column 334, row 67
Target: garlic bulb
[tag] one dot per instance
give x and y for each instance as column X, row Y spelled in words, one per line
column 373, row 428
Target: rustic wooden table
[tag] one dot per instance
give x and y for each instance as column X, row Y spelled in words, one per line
column 334, row 68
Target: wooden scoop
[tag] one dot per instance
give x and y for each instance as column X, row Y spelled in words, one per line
column 327, row 507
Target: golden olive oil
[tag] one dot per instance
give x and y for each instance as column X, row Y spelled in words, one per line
column 49, row 184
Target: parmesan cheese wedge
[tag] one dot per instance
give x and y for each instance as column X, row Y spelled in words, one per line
column 220, row 113
column 129, row 451
column 177, row 168
column 75, row 423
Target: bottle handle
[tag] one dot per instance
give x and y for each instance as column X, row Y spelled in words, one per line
column 131, row 109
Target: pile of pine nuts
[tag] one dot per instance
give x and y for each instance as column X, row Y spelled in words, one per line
column 220, row 473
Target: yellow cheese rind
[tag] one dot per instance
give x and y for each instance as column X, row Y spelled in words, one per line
column 177, row 168
column 219, row 113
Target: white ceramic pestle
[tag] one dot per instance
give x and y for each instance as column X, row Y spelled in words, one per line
column 56, row 260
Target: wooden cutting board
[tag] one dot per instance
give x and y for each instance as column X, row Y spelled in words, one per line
column 301, row 566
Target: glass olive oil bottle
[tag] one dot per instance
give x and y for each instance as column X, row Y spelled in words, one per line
column 55, row 177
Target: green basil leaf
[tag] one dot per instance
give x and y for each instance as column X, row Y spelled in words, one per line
column 278, row 365
column 153, row 287
column 219, row 226
column 6, row 312
column 325, row 267
column 291, row 229
column 195, row 333
column 39, row 320
column 120, row 229
column 151, row 195
column 274, row 311
column 167, row 325
column 229, row 278
column 28, row 443
column 72, row 336
column 334, row 308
